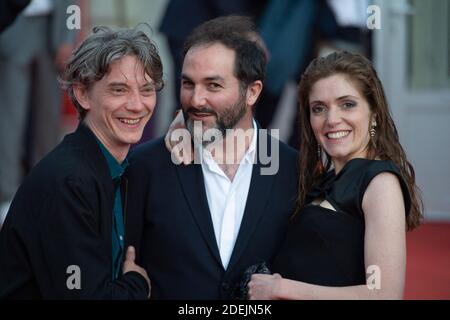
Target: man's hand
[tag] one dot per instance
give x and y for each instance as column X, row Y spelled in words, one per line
column 129, row 265
column 175, row 147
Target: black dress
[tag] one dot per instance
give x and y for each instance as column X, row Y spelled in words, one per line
column 326, row 247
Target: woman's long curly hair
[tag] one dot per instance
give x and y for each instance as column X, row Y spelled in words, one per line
column 384, row 145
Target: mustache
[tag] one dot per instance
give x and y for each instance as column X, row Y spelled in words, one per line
column 201, row 110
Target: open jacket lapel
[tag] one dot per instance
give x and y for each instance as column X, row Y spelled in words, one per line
column 191, row 179
column 257, row 199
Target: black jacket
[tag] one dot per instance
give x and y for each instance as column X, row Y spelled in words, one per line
column 178, row 248
column 60, row 217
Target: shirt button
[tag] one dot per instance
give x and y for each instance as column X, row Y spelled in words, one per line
column 121, row 238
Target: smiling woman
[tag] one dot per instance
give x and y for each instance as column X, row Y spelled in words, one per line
column 356, row 102
column 340, row 119
column 354, row 209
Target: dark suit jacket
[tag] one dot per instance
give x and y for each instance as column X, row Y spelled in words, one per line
column 178, row 248
column 62, row 216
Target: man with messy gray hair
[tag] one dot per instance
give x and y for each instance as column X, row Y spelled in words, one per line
column 64, row 235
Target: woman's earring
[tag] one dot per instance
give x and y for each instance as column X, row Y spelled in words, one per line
column 319, row 167
column 372, row 129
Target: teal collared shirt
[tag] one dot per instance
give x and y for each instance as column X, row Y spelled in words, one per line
column 118, row 229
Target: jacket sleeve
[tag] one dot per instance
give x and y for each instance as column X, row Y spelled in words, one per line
column 77, row 257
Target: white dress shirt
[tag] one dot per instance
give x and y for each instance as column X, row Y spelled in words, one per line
column 226, row 198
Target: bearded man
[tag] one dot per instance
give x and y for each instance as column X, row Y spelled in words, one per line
column 204, row 223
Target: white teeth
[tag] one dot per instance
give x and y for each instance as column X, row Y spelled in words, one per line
column 337, row 135
column 129, row 121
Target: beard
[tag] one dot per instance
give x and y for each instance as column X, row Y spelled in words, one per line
column 225, row 119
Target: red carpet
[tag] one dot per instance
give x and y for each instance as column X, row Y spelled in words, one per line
column 428, row 262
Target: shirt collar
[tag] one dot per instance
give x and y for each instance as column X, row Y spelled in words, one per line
column 250, row 154
column 115, row 168
column 249, row 157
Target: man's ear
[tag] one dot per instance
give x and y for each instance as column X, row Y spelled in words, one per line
column 81, row 94
column 253, row 92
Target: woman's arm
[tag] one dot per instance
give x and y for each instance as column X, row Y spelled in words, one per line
column 384, row 248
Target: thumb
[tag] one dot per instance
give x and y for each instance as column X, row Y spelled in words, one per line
column 131, row 254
